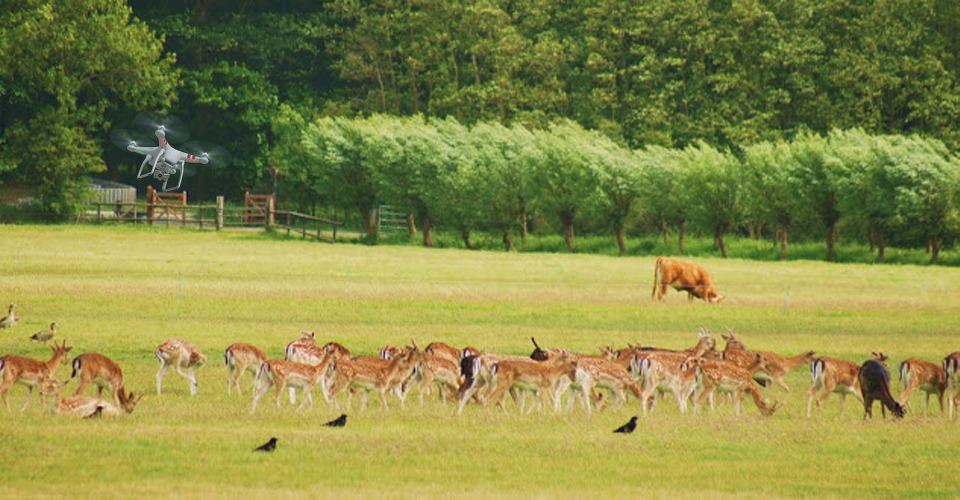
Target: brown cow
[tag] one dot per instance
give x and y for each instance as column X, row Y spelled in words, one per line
column 684, row 277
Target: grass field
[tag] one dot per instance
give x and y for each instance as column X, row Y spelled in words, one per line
column 121, row 291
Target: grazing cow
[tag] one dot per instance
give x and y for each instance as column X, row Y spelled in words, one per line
column 684, row 277
column 875, row 384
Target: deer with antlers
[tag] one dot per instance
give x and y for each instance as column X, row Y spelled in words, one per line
column 29, row 371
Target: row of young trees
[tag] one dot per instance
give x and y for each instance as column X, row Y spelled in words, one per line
column 490, row 177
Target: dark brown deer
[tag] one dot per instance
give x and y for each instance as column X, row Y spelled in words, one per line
column 875, row 385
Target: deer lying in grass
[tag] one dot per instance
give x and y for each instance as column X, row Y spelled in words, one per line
column 83, row 406
column 100, row 370
column 240, row 358
column 185, row 358
column 875, row 385
column 925, row 376
column 29, row 371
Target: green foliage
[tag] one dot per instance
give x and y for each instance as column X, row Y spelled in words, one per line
column 65, row 68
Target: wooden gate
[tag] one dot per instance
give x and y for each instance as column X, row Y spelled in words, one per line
column 166, row 205
column 255, row 208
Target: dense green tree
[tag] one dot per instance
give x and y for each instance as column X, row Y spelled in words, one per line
column 715, row 197
column 663, row 196
column 66, row 68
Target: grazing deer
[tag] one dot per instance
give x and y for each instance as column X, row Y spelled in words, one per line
column 374, row 374
column 777, row 366
column 829, row 375
column 727, row 376
column 100, row 370
column 10, row 319
column 950, row 364
column 185, row 358
column 875, row 385
column 83, row 406
column 926, row 376
column 539, row 376
column 282, row 373
column 29, row 371
column 239, row 358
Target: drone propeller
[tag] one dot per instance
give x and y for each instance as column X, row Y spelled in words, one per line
column 218, row 156
column 122, row 138
column 175, row 129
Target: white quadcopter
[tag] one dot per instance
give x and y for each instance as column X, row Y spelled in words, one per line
column 165, row 161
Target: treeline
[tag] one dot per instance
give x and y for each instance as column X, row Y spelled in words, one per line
column 883, row 189
column 659, row 73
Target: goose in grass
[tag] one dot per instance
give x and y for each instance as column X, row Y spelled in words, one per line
column 45, row 335
column 10, row 319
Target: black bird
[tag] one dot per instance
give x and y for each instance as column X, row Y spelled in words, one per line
column 628, row 427
column 96, row 413
column 268, row 446
column 337, row 422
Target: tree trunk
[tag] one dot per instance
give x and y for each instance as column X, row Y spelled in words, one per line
column 508, row 241
column 718, row 239
column 664, row 230
column 523, row 221
column 783, row 242
column 411, row 226
column 427, row 235
column 934, row 249
column 568, row 235
column 832, row 242
column 621, row 242
column 369, row 226
column 681, row 236
column 465, row 234
column 881, row 244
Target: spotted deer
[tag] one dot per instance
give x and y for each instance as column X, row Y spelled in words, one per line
column 185, row 358
column 923, row 375
column 240, row 358
column 84, row 406
column 98, row 369
column 29, row 371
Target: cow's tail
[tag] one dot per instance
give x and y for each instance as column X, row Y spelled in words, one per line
column 656, row 277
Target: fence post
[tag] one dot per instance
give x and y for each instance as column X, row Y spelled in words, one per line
column 151, row 199
column 268, row 220
column 219, row 213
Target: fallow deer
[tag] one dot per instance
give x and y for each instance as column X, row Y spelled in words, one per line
column 373, row 374
column 723, row 375
column 777, row 366
column 829, row 375
column 950, row 364
column 100, row 370
column 539, row 376
column 185, row 358
column 875, row 385
column 925, row 376
column 239, row 358
column 83, row 406
column 29, row 371
column 282, row 374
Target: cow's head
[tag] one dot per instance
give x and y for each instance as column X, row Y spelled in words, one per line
column 712, row 297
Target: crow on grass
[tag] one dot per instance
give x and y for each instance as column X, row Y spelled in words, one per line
column 268, row 446
column 628, row 427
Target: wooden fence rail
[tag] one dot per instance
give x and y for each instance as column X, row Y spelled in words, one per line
column 211, row 216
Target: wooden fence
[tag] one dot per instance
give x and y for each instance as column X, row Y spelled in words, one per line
column 216, row 216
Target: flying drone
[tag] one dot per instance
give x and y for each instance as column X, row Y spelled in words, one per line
column 167, row 163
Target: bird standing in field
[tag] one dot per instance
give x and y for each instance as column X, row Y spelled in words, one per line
column 628, row 427
column 10, row 319
column 268, row 446
column 45, row 335
column 337, row 422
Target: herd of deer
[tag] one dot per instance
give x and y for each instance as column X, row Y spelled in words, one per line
column 692, row 376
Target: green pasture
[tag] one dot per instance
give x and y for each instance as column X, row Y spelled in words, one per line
column 121, row 291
